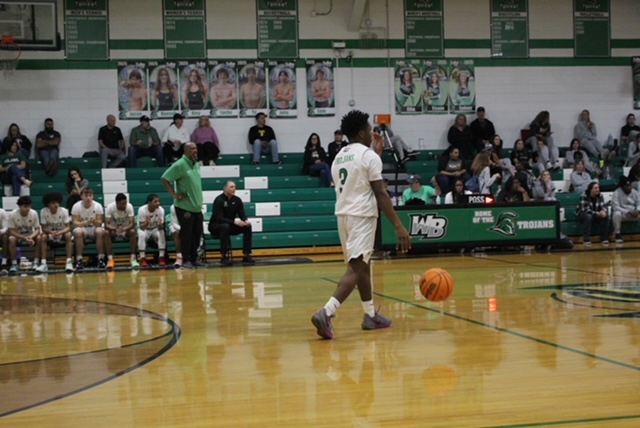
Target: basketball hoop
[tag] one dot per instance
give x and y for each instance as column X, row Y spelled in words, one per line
column 9, row 55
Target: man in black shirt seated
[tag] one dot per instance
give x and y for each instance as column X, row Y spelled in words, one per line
column 228, row 219
column 263, row 140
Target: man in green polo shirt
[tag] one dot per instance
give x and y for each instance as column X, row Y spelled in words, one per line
column 188, row 202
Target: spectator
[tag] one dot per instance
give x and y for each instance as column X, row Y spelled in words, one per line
column 513, row 191
column 315, row 161
column 455, row 196
column 451, row 167
column 521, row 156
column 402, row 149
column 75, row 185
column 634, row 177
column 145, row 141
column 575, row 153
column 24, row 230
column 544, row 189
column 629, row 130
column 481, row 168
column 174, row 228
column 417, row 194
column 460, row 137
column 542, row 141
column 498, row 163
column 48, row 145
column 393, row 195
column 120, row 226
column 587, row 133
column 625, row 206
column 263, row 140
column 228, row 219
column 591, row 211
column 482, row 130
column 111, row 144
column 87, row 216
column 188, row 201
column 633, row 154
column 174, row 139
column 14, row 134
column 206, row 141
column 336, row 145
column 151, row 228
column 13, row 169
column 580, row 179
column 56, row 229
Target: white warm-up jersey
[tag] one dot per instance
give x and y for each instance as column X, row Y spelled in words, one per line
column 87, row 213
column 155, row 218
column 4, row 220
column 353, row 168
column 23, row 225
column 55, row 222
column 118, row 218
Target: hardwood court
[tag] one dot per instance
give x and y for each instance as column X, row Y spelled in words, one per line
column 525, row 340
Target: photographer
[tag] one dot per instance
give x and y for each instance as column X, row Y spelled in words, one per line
column 404, row 151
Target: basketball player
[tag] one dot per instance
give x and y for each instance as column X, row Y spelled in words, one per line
column 321, row 90
column 24, row 231
column 252, row 94
column 137, row 92
column 284, row 92
column 87, row 216
column 56, row 229
column 359, row 186
column 4, row 235
column 224, row 93
column 151, row 227
column 120, row 226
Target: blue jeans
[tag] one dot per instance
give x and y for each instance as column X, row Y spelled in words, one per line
column 49, row 157
column 259, row 149
column 152, row 152
column 588, row 220
column 13, row 176
column 324, row 171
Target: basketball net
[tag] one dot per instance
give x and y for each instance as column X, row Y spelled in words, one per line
column 9, row 56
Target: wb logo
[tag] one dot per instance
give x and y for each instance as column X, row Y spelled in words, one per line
column 428, row 226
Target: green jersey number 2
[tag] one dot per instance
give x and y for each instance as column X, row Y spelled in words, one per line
column 342, row 175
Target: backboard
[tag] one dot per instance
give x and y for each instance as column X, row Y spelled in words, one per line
column 33, row 24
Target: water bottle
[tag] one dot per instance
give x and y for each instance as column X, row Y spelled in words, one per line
column 421, row 143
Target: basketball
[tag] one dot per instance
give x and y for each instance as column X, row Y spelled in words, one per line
column 436, row 285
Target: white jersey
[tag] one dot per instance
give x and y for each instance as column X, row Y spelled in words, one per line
column 55, row 222
column 154, row 219
column 24, row 225
column 119, row 218
column 87, row 213
column 4, row 220
column 353, row 168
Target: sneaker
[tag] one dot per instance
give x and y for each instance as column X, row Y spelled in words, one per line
column 226, row 261
column 255, row 163
column 79, row 265
column 34, row 267
column 13, row 270
column 27, row 182
column 4, row 270
column 248, row 260
column 619, row 239
column 278, row 162
column 178, row 263
column 322, row 322
column 605, row 242
column 101, row 264
column 587, row 243
column 188, row 265
column 42, row 268
column 135, row 264
column 68, row 268
column 375, row 322
column 111, row 264
column 143, row 263
column 162, row 262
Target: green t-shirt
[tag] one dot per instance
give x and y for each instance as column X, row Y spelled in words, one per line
column 9, row 159
column 186, row 175
column 425, row 193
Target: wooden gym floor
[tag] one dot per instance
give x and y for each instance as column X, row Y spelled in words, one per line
column 525, row 340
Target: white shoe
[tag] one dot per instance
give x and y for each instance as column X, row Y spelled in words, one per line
column 68, row 268
column 42, row 268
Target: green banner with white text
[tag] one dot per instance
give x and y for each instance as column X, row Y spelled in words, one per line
column 509, row 29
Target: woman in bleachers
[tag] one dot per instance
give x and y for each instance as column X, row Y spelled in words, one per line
column 514, row 191
column 543, row 188
column 460, row 137
column 315, row 161
column 75, row 184
column 451, row 167
column 481, row 168
column 500, row 164
column 206, row 141
column 521, row 157
column 459, row 190
column 14, row 134
column 576, row 153
column 14, row 169
column 542, row 141
column 580, row 179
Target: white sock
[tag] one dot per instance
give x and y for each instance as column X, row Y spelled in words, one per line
column 101, row 256
column 161, row 253
column 43, row 262
column 78, row 257
column 178, row 255
column 109, row 257
column 133, row 256
column 332, row 306
column 68, row 259
column 36, row 262
column 4, row 262
column 369, row 309
column 142, row 254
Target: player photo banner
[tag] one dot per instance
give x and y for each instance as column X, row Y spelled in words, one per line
column 252, row 92
column 636, row 82
column 320, row 88
column 194, row 88
column 223, row 92
column 435, row 74
column 133, row 94
column 282, row 89
column 462, row 86
column 163, row 89
column 409, row 86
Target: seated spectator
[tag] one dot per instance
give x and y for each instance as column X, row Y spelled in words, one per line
column 544, row 188
column 417, row 194
column 625, row 206
column 402, row 149
column 542, row 142
column 591, row 211
column 56, row 230
column 580, row 179
column 315, row 161
column 513, row 191
column 482, row 130
column 336, row 145
column 87, row 217
column 576, row 153
column 111, row 144
column 229, row 218
column 4, row 238
column 75, row 184
column 629, row 130
column 151, row 230
column 521, row 157
column 634, row 177
column 174, row 228
column 460, row 137
column 119, row 225
column 498, row 163
column 481, row 168
column 459, row 190
column 24, row 231
column 174, row 139
column 587, row 133
column 206, row 141
column 393, row 195
column 633, row 154
column 145, row 141
column 48, row 145
column 263, row 140
column 14, row 169
column 14, row 134
column 451, row 167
